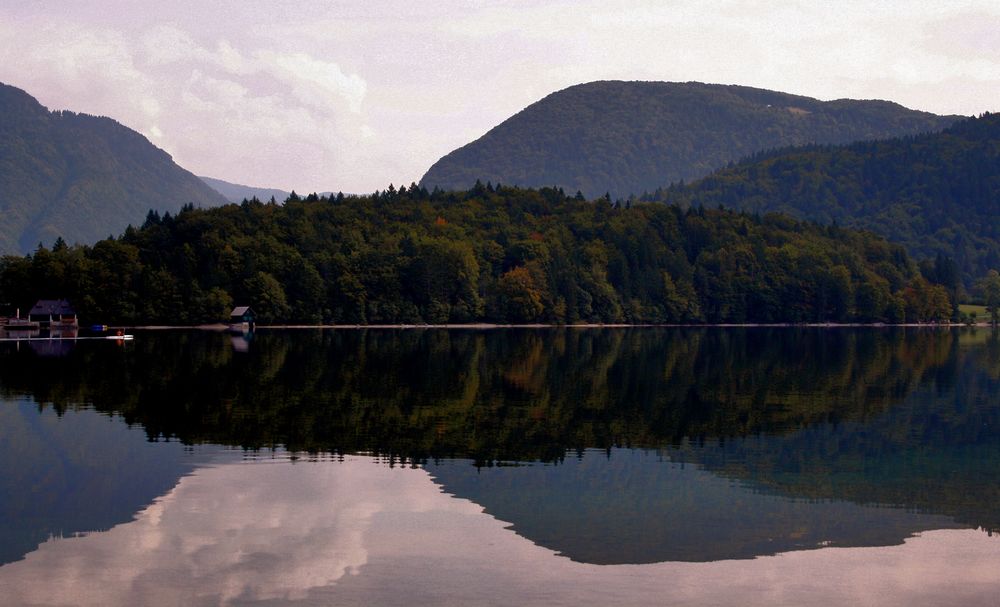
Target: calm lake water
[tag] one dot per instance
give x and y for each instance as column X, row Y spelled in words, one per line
column 503, row 467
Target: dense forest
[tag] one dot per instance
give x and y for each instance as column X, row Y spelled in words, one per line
column 489, row 254
column 628, row 137
column 80, row 177
column 936, row 194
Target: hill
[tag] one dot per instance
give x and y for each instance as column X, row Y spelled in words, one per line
column 630, row 137
column 235, row 192
column 503, row 255
column 937, row 194
column 80, row 177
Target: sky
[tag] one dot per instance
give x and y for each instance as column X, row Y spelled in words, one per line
column 352, row 96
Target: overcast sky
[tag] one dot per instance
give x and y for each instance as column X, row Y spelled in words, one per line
column 320, row 95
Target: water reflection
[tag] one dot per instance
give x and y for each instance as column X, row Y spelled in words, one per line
column 497, row 395
column 253, row 531
column 362, row 533
column 639, row 507
column 85, row 472
column 623, row 446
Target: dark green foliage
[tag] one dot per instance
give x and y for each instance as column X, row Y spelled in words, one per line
column 506, row 255
column 989, row 288
column 936, row 194
column 631, row 137
column 80, row 177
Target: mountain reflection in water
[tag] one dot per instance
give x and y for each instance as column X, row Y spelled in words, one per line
column 636, row 507
column 604, row 446
column 358, row 532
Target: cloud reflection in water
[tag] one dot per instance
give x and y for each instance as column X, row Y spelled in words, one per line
column 359, row 532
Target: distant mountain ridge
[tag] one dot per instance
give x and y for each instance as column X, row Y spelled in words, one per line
column 80, row 177
column 630, row 137
column 236, row 192
column 937, row 194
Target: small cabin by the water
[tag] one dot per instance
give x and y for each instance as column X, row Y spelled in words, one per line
column 242, row 316
column 53, row 313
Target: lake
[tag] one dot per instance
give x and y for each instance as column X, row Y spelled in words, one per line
column 556, row 466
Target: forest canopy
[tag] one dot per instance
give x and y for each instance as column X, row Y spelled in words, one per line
column 492, row 253
column 936, row 194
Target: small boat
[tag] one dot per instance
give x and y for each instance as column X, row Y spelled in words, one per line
column 20, row 324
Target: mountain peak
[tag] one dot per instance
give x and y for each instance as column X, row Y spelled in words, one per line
column 80, row 177
column 629, row 137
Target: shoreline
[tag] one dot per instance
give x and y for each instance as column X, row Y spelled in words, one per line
column 224, row 328
column 497, row 326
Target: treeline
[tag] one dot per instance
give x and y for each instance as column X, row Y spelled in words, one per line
column 496, row 254
column 936, row 194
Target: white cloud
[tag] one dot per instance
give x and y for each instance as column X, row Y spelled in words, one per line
column 278, row 118
column 94, row 65
column 229, row 58
column 355, row 95
column 168, row 44
column 314, row 81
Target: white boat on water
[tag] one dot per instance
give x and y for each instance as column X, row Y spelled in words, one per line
column 19, row 324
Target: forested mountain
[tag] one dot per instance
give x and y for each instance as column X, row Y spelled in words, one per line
column 80, row 177
column 489, row 254
column 235, row 192
column 937, row 194
column 629, row 137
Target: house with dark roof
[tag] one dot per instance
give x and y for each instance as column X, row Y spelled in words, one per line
column 53, row 313
column 242, row 317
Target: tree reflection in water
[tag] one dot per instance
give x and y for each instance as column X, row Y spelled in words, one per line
column 887, row 417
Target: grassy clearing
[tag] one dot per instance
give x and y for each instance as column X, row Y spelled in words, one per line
column 970, row 308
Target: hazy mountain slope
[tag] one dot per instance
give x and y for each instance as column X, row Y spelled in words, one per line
column 235, row 192
column 630, row 137
column 80, row 177
column 933, row 193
